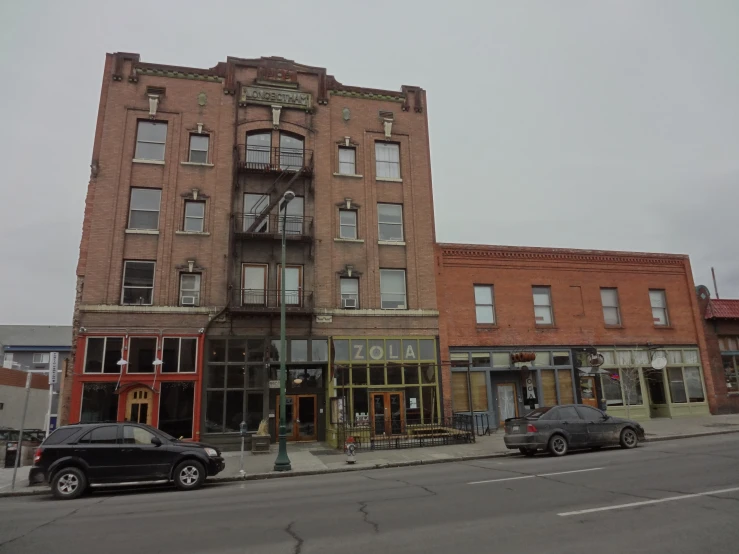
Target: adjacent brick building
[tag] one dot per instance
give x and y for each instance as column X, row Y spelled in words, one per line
column 177, row 309
column 593, row 321
column 721, row 325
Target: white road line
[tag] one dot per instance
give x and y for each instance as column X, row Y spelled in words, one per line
column 647, row 502
column 532, row 476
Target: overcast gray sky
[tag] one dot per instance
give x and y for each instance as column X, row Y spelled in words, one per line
column 609, row 125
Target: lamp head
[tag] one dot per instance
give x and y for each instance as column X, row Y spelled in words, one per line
column 288, row 196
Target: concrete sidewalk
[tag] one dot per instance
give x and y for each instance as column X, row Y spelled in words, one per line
column 314, row 458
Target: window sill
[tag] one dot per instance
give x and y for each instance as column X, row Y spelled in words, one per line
column 732, row 393
column 151, row 162
column 389, row 179
column 349, row 240
column 350, row 175
column 142, row 231
column 487, row 327
column 664, row 327
column 193, row 233
column 614, row 326
column 197, row 164
column 546, row 327
column 391, row 242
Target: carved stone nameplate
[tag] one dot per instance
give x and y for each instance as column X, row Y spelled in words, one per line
column 270, row 96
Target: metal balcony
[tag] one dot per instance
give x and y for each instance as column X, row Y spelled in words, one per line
column 261, row 159
column 267, row 301
column 251, row 226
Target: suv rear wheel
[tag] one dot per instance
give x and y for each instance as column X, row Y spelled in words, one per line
column 189, row 475
column 68, row 483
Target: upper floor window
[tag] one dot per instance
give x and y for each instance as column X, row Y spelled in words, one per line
column 199, row 148
column 728, row 344
column 179, row 355
column 347, row 160
column 41, row 358
column 484, row 307
column 102, row 355
column 543, row 305
column 190, row 289
column 387, row 160
column 349, row 293
column 291, row 152
column 611, row 311
column 392, row 289
column 390, row 222
column 138, row 282
column 151, row 137
column 348, row 224
column 658, row 300
column 144, row 209
column 142, row 351
column 194, row 216
column 258, row 149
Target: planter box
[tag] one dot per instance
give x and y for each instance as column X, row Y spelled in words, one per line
column 260, row 444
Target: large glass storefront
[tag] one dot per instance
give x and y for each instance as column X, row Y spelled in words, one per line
column 383, row 385
column 500, row 388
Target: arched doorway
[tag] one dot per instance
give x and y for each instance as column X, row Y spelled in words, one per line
column 139, row 405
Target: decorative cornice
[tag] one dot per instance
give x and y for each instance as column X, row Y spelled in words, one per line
column 174, row 73
column 368, row 95
column 116, row 309
column 537, row 254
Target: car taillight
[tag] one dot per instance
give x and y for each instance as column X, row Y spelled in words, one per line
column 37, row 455
column 530, row 428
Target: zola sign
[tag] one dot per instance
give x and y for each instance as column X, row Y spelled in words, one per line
column 273, row 96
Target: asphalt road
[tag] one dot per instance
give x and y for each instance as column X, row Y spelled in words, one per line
column 660, row 497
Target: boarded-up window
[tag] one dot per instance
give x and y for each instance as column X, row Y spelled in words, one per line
column 549, row 390
column 479, row 391
column 566, row 396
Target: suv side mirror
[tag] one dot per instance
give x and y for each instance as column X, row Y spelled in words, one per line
column 156, row 441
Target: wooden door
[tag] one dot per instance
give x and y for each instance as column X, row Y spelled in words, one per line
column 139, row 405
column 387, row 413
column 507, row 401
column 587, row 390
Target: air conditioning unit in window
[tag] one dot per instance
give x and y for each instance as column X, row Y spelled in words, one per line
column 349, row 303
column 188, row 301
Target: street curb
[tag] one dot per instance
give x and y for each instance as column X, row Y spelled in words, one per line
column 385, row 465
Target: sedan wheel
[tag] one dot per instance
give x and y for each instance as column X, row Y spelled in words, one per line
column 558, row 445
column 628, row 438
column 189, row 475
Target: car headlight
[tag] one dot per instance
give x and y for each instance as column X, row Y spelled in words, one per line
column 211, row 452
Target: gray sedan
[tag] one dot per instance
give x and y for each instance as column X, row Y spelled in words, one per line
column 559, row 429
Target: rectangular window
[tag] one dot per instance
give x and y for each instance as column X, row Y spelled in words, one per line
column 176, row 404
column 693, row 384
column 179, row 355
column 390, row 222
column 611, row 312
column 677, row 385
column 348, row 224
column 293, row 284
column 199, row 148
column 102, row 355
column 254, row 206
column 194, row 217
column 484, row 308
column 477, row 389
column 99, row 403
column 254, row 291
column 349, row 293
column 142, row 351
column 151, row 137
column 190, row 289
column 138, row 283
column 41, row 358
column 347, row 160
column 543, row 305
column 144, row 209
column 387, row 160
column 731, row 372
column 291, row 216
column 658, row 301
column 611, row 388
column 392, row 289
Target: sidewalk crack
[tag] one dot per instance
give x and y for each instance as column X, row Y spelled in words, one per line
column 365, row 517
column 297, row 538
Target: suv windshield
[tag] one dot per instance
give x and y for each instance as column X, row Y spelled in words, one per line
column 536, row 414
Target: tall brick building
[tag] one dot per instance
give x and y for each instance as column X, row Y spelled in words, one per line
column 177, row 310
column 617, row 330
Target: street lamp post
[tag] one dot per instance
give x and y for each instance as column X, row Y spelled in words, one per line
column 282, row 463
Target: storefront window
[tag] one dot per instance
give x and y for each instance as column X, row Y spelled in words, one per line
column 411, row 374
column 320, row 350
column 214, row 412
column 543, row 359
column 431, row 409
column 677, row 386
column 142, row 351
column 566, row 393
column 255, row 350
column 298, row 350
column 641, row 357
column 549, row 388
column 234, row 410
column 674, row 357
column 176, row 409
column 217, row 351
column 359, row 375
column 394, row 375
column 501, row 359
column 428, row 374
column 460, row 393
column 236, row 351
column 624, row 357
column 254, row 411
column 612, row 389
column 693, row 384
column 235, row 377
column 377, row 375
column 427, row 349
column 99, row 403
column 341, row 350
column 561, row 358
column 631, row 387
column 216, row 377
column 103, row 354
column 480, row 359
column 731, row 364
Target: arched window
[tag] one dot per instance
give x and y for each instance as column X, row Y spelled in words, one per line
column 258, row 146
column 291, row 152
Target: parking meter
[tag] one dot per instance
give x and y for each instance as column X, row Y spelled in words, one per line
column 242, row 428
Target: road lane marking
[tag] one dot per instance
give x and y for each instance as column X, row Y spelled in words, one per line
column 532, row 476
column 647, row 502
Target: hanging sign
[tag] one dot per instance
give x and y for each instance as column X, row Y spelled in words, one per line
column 530, row 393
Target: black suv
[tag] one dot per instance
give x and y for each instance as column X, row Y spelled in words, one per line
column 116, row 454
